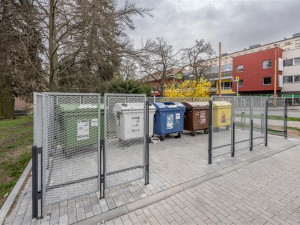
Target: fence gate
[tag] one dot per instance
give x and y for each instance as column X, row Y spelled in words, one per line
column 259, row 120
column 242, row 118
column 125, row 138
column 220, row 135
column 70, row 142
column 277, row 116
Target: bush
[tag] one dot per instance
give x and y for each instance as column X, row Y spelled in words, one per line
column 118, row 85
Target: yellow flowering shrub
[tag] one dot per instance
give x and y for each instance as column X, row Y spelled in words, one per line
column 188, row 88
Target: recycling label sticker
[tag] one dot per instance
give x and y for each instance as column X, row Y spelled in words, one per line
column 94, row 122
column 82, row 130
column 202, row 117
column 170, row 121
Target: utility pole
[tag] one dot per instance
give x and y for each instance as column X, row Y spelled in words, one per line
column 220, row 78
column 275, row 78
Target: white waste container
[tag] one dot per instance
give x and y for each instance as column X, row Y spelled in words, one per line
column 130, row 120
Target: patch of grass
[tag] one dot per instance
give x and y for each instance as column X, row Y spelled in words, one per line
column 16, row 137
column 273, row 117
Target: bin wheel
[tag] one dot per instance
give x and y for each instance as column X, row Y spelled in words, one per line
column 161, row 138
column 206, row 131
column 227, row 127
column 193, row 133
column 179, row 135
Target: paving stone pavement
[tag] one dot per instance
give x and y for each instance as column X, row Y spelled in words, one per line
column 264, row 192
column 172, row 162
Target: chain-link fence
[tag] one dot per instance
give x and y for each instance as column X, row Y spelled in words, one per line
column 236, row 123
column 277, row 116
column 242, row 118
column 71, row 145
column 221, row 132
column 124, row 138
column 178, row 99
column 259, row 120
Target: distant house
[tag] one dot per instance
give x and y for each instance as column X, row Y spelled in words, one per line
column 155, row 80
column 22, row 107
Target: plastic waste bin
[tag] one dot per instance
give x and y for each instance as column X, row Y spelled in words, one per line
column 196, row 117
column 169, row 118
column 221, row 114
column 130, row 120
column 79, row 126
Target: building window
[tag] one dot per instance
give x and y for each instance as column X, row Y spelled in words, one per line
column 240, row 68
column 226, row 85
column 268, row 47
column 241, row 83
column 288, row 79
column 288, row 62
column 267, row 80
column 287, row 49
column 267, row 64
column 297, row 78
column 297, row 61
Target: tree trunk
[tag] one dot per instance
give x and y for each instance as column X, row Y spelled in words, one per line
column 7, row 101
column 53, row 80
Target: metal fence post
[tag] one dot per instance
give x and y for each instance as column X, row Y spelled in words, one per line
column 233, row 127
column 36, row 193
column 251, row 123
column 266, row 123
column 101, row 152
column 34, row 183
column 102, row 169
column 210, row 132
column 147, row 143
column 285, row 118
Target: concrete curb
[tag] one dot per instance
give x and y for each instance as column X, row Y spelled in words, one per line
column 13, row 194
column 114, row 213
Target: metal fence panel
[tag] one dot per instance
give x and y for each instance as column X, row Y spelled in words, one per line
column 124, row 138
column 259, row 117
column 276, row 114
column 71, row 145
column 293, row 117
column 222, row 125
column 178, row 99
column 242, row 116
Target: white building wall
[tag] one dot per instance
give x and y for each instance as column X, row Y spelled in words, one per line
column 291, row 71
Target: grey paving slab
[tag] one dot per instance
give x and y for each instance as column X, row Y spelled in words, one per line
column 255, row 192
column 175, row 165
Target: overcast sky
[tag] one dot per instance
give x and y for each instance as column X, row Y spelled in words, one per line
column 236, row 23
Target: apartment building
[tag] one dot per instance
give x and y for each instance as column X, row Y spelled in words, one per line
column 291, row 73
column 285, row 44
column 256, row 72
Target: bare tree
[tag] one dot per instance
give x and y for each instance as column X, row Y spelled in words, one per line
column 20, row 64
column 159, row 59
column 85, row 37
column 196, row 57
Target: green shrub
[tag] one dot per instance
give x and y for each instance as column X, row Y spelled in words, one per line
column 118, row 85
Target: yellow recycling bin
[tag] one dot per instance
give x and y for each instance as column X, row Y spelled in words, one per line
column 221, row 114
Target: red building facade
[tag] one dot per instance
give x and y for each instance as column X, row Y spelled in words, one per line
column 256, row 72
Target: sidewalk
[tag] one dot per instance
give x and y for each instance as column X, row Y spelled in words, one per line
column 264, row 192
column 174, row 168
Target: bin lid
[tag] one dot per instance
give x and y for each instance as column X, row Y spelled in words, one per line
column 168, row 105
column 132, row 106
column 221, row 103
column 195, row 104
column 71, row 107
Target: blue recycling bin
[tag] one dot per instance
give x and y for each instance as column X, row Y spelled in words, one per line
column 169, row 118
